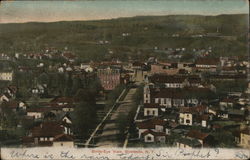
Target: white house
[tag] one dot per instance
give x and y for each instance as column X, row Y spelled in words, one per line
column 150, row 136
column 152, row 109
column 6, row 76
column 3, row 98
column 186, row 118
column 155, row 124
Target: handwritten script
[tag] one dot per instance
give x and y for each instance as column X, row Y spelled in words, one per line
column 45, row 153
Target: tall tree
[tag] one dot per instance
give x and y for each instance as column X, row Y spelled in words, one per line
column 84, row 119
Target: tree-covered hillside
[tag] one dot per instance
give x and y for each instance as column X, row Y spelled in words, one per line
column 226, row 34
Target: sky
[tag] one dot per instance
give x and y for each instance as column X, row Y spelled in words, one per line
column 50, row 11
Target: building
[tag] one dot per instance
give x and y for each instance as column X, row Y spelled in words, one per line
column 175, row 81
column 188, row 143
column 207, row 64
column 109, row 77
column 6, row 76
column 150, row 136
column 155, row 124
column 185, row 117
column 205, row 139
column 152, row 109
column 245, row 138
column 45, row 134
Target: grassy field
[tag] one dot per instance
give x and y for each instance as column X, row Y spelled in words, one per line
column 145, row 33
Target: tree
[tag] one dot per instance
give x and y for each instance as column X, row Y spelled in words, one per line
column 76, row 84
column 84, row 119
column 43, row 78
column 122, row 124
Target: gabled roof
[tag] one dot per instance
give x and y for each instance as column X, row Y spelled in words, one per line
column 150, row 123
column 207, row 61
column 197, row 134
column 47, row 129
column 67, row 114
column 149, row 131
column 228, row 100
column 166, row 93
column 189, row 142
column 163, row 78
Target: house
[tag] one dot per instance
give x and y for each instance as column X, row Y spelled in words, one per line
column 176, row 97
column 14, row 105
column 169, row 81
column 69, row 56
column 236, row 114
column 60, row 69
column 167, row 97
column 207, row 64
column 62, row 101
column 188, row 143
column 227, row 102
column 11, row 90
column 245, row 138
column 4, row 98
column 6, row 75
column 169, row 126
column 227, row 77
column 175, row 81
column 44, row 134
column 150, row 136
column 39, row 89
column 66, row 117
column 152, row 109
column 66, row 104
column 205, row 119
column 155, row 124
column 205, row 139
column 86, row 67
column 228, row 70
column 63, row 140
column 236, row 135
column 187, row 115
column 165, row 68
column 223, row 114
column 37, row 112
column 109, row 77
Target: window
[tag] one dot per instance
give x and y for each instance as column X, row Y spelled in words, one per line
column 153, row 112
column 148, row 112
column 149, row 138
column 187, row 121
column 156, row 100
column 182, row 120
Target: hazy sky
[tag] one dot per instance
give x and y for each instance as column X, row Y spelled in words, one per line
column 48, row 11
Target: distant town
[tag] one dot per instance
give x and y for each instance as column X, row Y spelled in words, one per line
column 189, row 98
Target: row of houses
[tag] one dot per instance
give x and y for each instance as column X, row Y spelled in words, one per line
column 188, row 106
